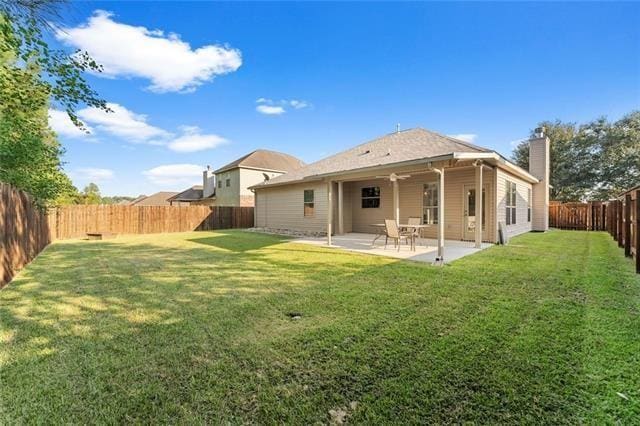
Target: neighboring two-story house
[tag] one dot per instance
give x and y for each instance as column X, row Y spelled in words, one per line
column 229, row 185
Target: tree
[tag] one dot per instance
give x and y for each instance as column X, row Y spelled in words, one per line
column 91, row 194
column 32, row 74
column 29, row 151
column 596, row 160
column 21, row 28
column 620, row 156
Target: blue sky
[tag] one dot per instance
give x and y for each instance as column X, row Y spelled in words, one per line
column 188, row 81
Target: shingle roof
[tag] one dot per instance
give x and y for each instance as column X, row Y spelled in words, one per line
column 191, row 194
column 267, row 160
column 157, row 199
column 406, row 145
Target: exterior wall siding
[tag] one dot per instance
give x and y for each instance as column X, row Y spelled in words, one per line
column 411, row 197
column 282, row 207
column 522, row 188
column 228, row 196
column 239, row 194
column 250, row 177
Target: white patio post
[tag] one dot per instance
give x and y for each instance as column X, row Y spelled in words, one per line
column 478, row 165
column 440, row 173
column 329, row 210
column 396, row 202
column 340, row 209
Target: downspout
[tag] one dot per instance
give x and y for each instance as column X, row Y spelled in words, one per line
column 440, row 257
column 478, row 165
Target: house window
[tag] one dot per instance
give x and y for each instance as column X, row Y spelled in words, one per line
column 308, row 202
column 227, row 182
column 529, row 205
column 220, row 184
column 371, row 197
column 511, row 203
column 430, row 204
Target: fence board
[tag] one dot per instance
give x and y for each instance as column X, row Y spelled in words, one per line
column 77, row 221
column 24, row 231
column 620, row 218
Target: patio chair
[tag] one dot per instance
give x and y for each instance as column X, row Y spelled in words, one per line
column 393, row 232
column 414, row 231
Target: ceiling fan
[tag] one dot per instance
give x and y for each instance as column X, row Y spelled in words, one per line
column 393, row 177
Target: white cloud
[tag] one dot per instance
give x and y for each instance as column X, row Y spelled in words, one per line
column 93, row 174
column 175, row 174
column 192, row 140
column 135, row 51
column 466, row 137
column 60, row 122
column 298, row 104
column 123, row 123
column 270, row 109
column 134, row 128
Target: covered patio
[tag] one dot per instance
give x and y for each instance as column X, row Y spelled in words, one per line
column 358, row 202
column 426, row 248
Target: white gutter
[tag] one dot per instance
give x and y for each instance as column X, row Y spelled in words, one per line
column 498, row 159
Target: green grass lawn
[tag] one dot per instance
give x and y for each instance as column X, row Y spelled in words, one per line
column 196, row 327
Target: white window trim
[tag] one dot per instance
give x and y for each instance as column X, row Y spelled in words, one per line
column 431, row 207
column 509, row 207
column 304, row 203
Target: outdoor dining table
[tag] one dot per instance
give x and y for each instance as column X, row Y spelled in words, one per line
column 381, row 229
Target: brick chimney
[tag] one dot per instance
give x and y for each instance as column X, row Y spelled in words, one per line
column 208, row 182
column 539, row 159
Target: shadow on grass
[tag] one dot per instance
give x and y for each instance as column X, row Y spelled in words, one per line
column 240, row 241
column 165, row 330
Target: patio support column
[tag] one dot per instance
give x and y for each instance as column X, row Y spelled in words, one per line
column 340, row 209
column 329, row 210
column 478, row 165
column 396, row 202
column 440, row 173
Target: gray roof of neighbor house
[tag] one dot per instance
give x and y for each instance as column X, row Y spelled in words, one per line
column 265, row 160
column 397, row 147
column 191, row 194
column 157, row 199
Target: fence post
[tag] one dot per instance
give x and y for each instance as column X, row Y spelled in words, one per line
column 627, row 224
column 637, row 231
column 620, row 217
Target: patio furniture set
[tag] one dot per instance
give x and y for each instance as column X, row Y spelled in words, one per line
column 391, row 230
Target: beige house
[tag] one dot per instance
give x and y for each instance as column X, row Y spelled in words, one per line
column 229, row 185
column 412, row 173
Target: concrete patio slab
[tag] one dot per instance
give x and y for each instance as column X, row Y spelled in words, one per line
column 426, row 249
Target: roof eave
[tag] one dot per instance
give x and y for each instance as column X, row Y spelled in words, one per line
column 387, row 166
column 358, row 170
column 500, row 160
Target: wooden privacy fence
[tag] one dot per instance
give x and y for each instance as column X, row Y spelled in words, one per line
column 623, row 223
column 589, row 216
column 76, row 221
column 25, row 229
column 620, row 218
